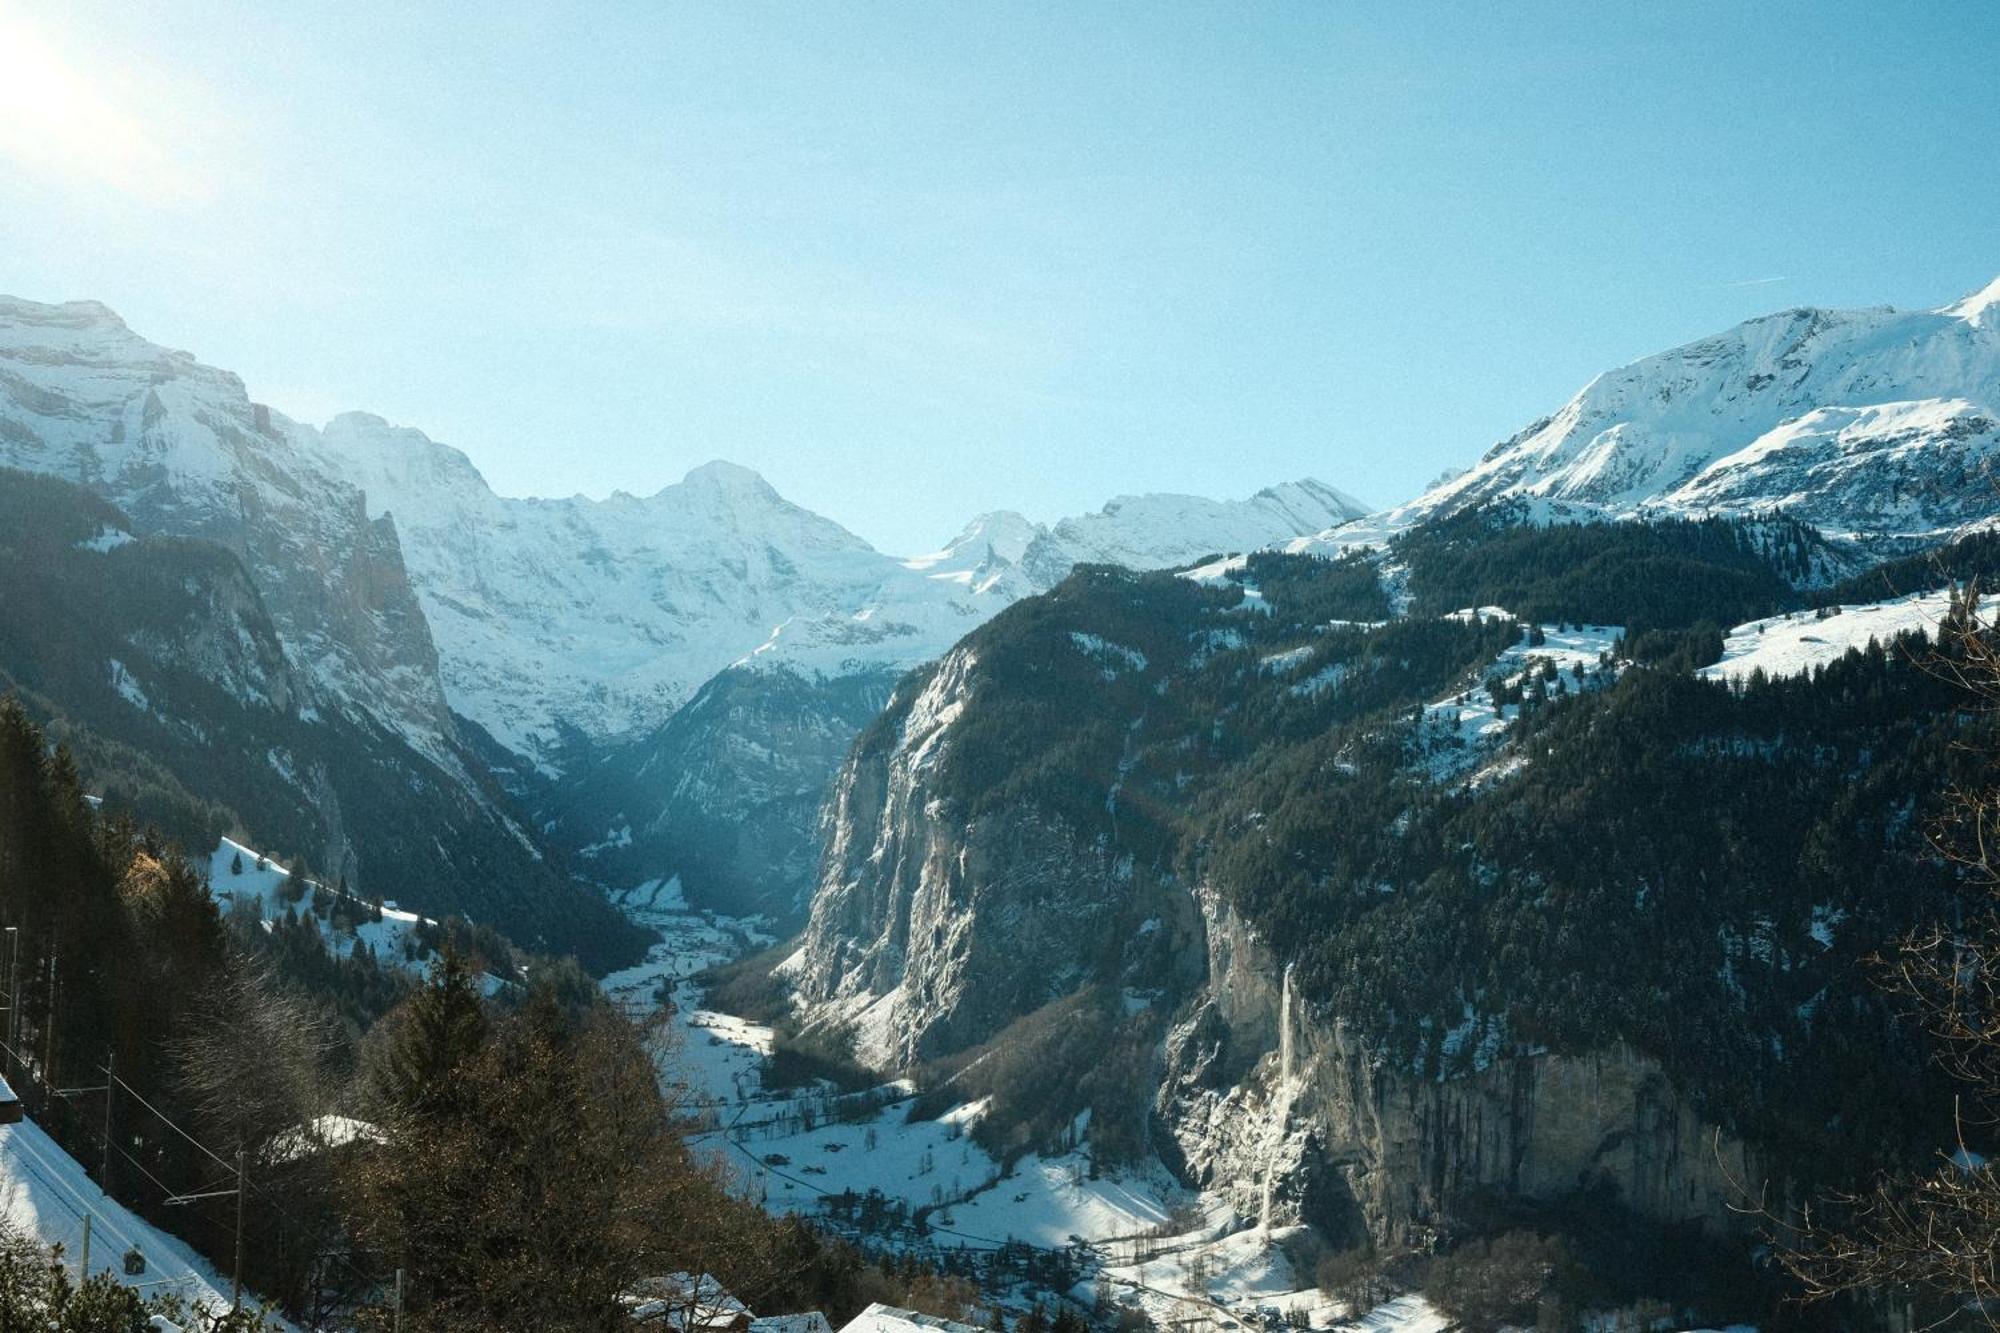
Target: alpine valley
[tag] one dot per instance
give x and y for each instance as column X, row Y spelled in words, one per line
column 1348, row 883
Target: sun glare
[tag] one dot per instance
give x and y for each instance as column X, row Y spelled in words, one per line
column 55, row 120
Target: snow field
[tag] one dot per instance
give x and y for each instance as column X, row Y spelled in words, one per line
column 45, row 1193
column 1796, row 643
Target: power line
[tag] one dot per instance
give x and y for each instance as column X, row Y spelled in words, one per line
column 169, row 1123
column 274, row 1200
column 52, row 1177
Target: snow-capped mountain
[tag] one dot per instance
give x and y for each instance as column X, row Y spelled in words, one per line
column 179, row 448
column 684, row 672
column 1880, row 426
column 201, row 602
column 407, row 595
column 602, row 617
column 1156, row 531
column 1160, row 531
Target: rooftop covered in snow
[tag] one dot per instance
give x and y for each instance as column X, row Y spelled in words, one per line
column 879, row 1318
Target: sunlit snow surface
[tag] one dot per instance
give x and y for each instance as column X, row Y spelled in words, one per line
column 1461, row 730
column 45, row 1193
column 1792, row 645
column 261, row 883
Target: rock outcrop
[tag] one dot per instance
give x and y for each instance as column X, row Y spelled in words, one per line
column 1360, row 1149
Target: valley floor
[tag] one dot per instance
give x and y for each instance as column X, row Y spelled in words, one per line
column 1140, row 1235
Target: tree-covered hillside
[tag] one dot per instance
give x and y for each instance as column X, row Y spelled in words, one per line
column 1631, row 855
column 154, row 660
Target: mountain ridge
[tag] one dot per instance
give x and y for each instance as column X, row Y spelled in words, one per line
column 719, row 570
column 1862, row 422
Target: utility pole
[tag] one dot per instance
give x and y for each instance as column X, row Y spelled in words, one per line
column 110, row 1091
column 83, row 1269
column 13, row 1001
column 236, row 1277
column 49, row 1037
column 397, row 1326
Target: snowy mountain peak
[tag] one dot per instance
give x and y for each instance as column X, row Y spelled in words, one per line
column 1001, row 535
column 1979, row 308
column 71, row 314
column 1158, row 531
column 400, row 469
column 1875, row 425
column 723, row 477
column 1309, row 497
column 360, row 423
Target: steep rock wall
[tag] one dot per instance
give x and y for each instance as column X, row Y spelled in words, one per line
column 1356, row 1146
column 929, row 933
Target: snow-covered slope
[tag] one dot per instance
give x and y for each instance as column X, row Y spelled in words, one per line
column 606, row 616
column 1796, row 643
column 1880, row 425
column 181, row 449
column 46, row 1193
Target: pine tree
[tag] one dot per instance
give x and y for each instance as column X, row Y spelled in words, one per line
column 437, row 1031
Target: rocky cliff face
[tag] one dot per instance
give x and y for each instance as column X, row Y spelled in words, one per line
column 179, row 448
column 1287, row 1111
column 931, row 933
column 1109, row 794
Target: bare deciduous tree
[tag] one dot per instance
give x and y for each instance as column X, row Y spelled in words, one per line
column 1936, row 1233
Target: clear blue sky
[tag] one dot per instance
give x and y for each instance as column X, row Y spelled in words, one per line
column 914, row 261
